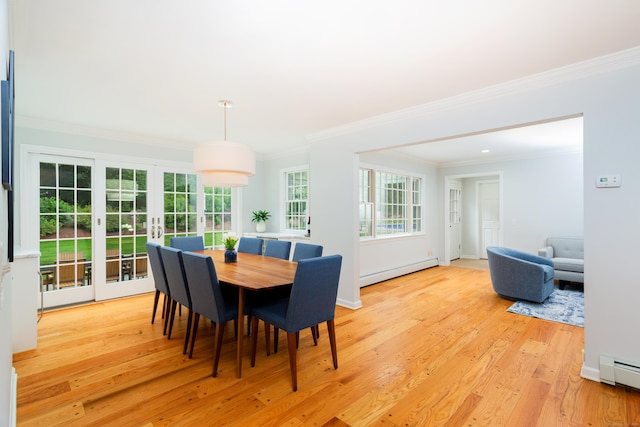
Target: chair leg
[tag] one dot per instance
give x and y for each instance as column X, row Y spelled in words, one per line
column 275, row 339
column 293, row 365
column 164, row 305
column 254, row 340
column 155, row 306
column 218, row 346
column 331, row 326
column 168, row 304
column 267, row 336
column 562, row 284
column 196, row 320
column 172, row 316
column 314, row 334
column 188, row 332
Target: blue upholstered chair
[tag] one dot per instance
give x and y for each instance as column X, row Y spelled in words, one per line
column 277, row 249
column 208, row 299
column 312, row 301
column 160, row 281
column 519, row 275
column 177, row 281
column 189, row 243
column 250, row 245
column 300, row 251
column 306, row 250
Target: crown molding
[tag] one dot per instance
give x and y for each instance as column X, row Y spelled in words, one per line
column 600, row 65
column 99, row 133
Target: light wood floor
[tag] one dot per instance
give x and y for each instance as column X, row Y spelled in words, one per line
column 431, row 348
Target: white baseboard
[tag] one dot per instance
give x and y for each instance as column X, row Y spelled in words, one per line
column 13, row 405
column 396, row 272
column 590, row 373
column 349, row 304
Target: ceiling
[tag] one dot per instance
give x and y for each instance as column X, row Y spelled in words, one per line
column 154, row 70
column 525, row 141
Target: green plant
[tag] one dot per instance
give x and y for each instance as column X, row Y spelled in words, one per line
column 230, row 241
column 260, row 216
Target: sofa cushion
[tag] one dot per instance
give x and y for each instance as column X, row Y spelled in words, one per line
column 567, row 247
column 569, row 264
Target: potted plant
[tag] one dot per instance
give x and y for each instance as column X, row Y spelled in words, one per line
column 260, row 218
column 229, row 241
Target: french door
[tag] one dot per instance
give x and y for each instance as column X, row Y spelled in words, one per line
column 95, row 218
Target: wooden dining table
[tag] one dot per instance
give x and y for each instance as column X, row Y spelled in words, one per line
column 254, row 273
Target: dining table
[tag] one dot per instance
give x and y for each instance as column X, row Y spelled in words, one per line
column 252, row 273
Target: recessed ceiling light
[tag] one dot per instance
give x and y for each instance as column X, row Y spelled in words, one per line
column 485, row 151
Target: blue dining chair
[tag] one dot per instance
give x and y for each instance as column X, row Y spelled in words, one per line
column 160, row 282
column 188, row 243
column 300, row 251
column 277, row 249
column 306, row 250
column 250, row 245
column 177, row 281
column 312, row 301
column 208, row 299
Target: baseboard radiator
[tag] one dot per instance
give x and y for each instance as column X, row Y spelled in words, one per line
column 616, row 371
column 397, row 272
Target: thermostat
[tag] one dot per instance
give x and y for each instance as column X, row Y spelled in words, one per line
column 608, row 181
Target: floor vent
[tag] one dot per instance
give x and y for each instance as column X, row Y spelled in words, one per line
column 616, row 371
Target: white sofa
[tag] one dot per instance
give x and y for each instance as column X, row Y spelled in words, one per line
column 567, row 254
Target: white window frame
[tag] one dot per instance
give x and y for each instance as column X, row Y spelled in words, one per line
column 284, row 173
column 410, row 207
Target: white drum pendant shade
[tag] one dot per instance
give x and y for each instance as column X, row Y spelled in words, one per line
column 224, row 163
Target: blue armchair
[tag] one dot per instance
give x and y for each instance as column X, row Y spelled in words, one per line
column 519, row 275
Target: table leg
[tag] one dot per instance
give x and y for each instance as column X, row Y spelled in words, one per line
column 240, row 331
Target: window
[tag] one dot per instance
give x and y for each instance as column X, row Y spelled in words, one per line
column 217, row 215
column 296, row 199
column 390, row 203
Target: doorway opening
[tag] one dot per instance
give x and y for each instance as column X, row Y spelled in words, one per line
column 473, row 215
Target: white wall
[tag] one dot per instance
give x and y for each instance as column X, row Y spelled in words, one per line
column 401, row 254
column 607, row 92
column 6, row 280
column 542, row 197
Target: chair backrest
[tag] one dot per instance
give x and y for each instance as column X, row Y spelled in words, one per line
column 157, row 268
column 176, row 279
column 189, row 243
column 306, row 250
column 71, row 268
column 141, row 265
column 206, row 295
column 250, row 245
column 314, row 292
column 277, row 249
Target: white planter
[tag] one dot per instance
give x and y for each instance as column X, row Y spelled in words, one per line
column 261, row 227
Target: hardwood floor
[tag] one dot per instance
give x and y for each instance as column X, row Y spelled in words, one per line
column 431, row 348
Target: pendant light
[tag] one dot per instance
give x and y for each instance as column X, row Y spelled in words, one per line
column 224, row 163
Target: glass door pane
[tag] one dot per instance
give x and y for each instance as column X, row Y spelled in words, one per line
column 180, row 195
column 124, row 269
column 65, row 229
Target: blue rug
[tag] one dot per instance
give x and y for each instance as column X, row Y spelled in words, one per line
column 562, row 306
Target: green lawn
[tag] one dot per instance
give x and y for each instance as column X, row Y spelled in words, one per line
column 127, row 245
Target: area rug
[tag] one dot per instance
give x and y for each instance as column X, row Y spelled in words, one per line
column 562, row 306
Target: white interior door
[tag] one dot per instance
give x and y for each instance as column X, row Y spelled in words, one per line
column 455, row 217
column 489, row 207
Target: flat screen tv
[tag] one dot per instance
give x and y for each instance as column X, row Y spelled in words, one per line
column 7, row 118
